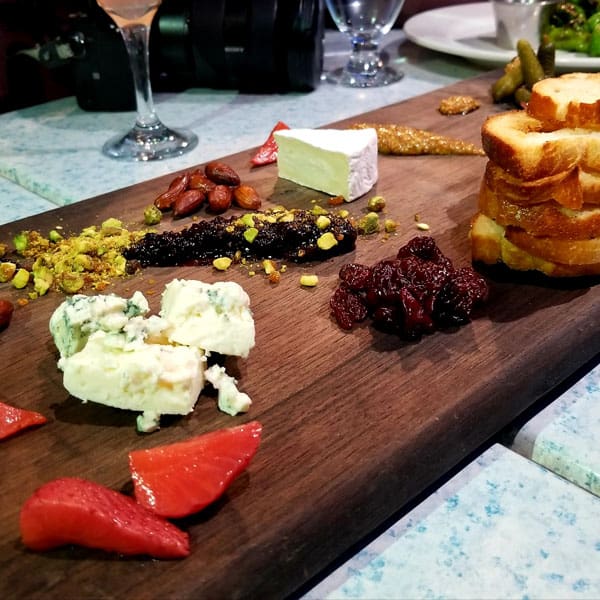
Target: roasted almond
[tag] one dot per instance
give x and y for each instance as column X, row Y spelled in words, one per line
column 177, row 186
column 6, row 311
column 199, row 181
column 188, row 202
column 245, row 196
column 219, row 199
column 221, row 173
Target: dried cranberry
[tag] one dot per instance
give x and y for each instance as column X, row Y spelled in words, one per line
column 355, row 276
column 424, row 247
column 410, row 295
column 347, row 307
column 460, row 295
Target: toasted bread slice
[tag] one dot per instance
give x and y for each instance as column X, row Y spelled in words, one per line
column 571, row 100
column 521, row 145
column 490, row 246
column 564, row 188
column 546, row 219
column 590, row 186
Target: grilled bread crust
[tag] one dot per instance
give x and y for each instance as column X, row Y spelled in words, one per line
column 492, row 244
column 571, row 100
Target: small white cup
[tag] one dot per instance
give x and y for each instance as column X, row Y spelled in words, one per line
column 521, row 19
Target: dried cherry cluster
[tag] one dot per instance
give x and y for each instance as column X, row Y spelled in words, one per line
column 415, row 293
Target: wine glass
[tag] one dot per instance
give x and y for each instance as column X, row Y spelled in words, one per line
column 149, row 139
column 366, row 22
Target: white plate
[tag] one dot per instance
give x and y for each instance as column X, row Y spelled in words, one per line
column 469, row 31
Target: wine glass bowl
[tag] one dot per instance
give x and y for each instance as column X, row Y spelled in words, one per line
column 149, row 139
column 365, row 22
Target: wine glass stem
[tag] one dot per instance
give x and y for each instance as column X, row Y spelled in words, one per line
column 365, row 58
column 137, row 38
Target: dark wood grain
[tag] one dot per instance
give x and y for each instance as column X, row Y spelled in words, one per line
column 355, row 424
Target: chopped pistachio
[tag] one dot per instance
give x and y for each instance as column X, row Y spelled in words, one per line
column 269, row 266
column 3, row 250
column 247, row 220
column 20, row 241
column 250, row 234
column 54, row 236
column 323, row 222
column 369, row 223
column 21, row 279
column 327, row 241
column 343, row 213
column 70, row 282
column 376, row 203
column 423, row 226
column 152, row 215
column 390, row 225
column 309, row 280
column 222, row 263
column 7, row 271
column 318, row 210
column 112, row 223
column 42, row 280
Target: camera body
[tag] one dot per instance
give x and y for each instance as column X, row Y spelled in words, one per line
column 255, row 46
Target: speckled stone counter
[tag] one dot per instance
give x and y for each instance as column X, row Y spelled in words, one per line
column 565, row 436
column 16, row 202
column 504, row 527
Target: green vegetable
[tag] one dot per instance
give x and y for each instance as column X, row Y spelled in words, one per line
column 546, row 55
column 507, row 84
column 20, row 241
column 532, row 69
column 594, row 47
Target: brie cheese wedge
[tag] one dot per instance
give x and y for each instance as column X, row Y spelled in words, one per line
column 334, row 161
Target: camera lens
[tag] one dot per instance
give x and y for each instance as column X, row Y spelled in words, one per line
column 253, row 46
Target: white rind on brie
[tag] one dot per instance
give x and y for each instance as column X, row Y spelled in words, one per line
column 337, row 162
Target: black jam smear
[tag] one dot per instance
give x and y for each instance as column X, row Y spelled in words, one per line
column 415, row 293
column 279, row 236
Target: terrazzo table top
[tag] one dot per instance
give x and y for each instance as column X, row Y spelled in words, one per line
column 565, row 436
column 504, row 527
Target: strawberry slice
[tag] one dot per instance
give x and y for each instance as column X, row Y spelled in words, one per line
column 13, row 420
column 70, row 510
column 182, row 478
column 267, row 153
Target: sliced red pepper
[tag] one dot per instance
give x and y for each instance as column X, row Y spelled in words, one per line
column 267, row 153
column 13, row 419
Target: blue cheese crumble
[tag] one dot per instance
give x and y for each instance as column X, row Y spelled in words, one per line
column 113, row 353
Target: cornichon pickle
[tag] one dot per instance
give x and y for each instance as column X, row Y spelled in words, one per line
column 507, row 84
column 530, row 65
column 522, row 95
column 546, row 55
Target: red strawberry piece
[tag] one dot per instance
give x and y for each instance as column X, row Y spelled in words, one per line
column 182, row 478
column 77, row 511
column 13, row 419
column 267, row 153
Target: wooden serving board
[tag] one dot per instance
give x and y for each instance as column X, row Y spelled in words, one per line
column 356, row 424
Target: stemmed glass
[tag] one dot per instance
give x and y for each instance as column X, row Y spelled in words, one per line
column 149, row 139
column 366, row 22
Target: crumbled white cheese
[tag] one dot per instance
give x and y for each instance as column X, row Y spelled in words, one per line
column 79, row 316
column 338, row 162
column 112, row 354
column 230, row 400
column 215, row 317
column 149, row 377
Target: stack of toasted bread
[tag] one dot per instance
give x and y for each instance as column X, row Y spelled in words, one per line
column 539, row 201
